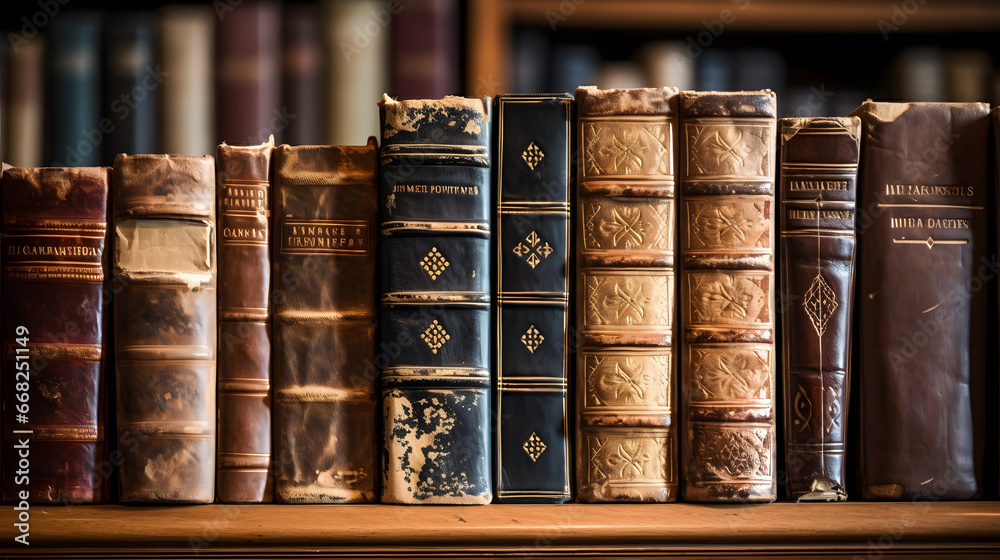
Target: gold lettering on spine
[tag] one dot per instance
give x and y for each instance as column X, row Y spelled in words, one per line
column 929, row 190
column 322, row 237
column 436, row 189
column 807, row 185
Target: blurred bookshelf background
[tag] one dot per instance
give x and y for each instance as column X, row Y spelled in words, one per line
column 82, row 81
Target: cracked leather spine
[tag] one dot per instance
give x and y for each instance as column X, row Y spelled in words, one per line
column 727, row 291
column 625, row 228
column 818, row 180
column 434, row 213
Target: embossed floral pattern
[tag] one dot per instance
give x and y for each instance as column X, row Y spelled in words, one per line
column 730, row 375
column 727, row 298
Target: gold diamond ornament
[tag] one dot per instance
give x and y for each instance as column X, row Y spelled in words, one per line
column 532, row 155
column 534, row 446
column 435, row 336
column 532, row 339
column 820, row 303
column 434, row 263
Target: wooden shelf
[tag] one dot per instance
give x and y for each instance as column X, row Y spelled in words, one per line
column 927, row 530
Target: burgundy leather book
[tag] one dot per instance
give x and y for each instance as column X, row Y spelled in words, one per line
column 244, row 388
column 922, row 307
column 727, row 290
column 819, row 169
column 247, row 73
column 424, row 50
column 625, row 295
column 324, row 324
column 55, row 319
column 165, row 326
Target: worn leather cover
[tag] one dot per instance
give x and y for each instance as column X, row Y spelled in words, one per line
column 922, row 248
column 727, row 290
column 244, row 388
column 532, row 173
column 248, row 72
column 324, row 324
column 55, row 319
column 165, row 326
column 625, row 302
column 819, row 168
column 434, row 219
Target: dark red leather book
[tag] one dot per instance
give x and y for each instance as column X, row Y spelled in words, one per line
column 247, row 73
column 424, row 50
column 922, row 304
column 819, row 169
column 244, row 387
column 55, row 316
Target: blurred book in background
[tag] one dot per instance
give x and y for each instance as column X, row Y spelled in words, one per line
column 132, row 85
column 667, row 64
column 24, row 123
column 357, row 71
column 424, row 49
column 302, row 74
column 247, row 74
column 187, row 108
column 73, row 83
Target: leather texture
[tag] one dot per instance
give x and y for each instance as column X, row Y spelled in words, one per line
column 244, row 387
column 55, row 319
column 625, row 303
column 922, row 307
column 532, row 174
column 727, row 291
column 324, row 306
column 434, row 219
column 818, row 179
column 165, row 312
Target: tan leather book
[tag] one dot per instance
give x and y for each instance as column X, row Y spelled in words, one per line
column 244, row 388
column 819, row 170
column 727, row 290
column 186, row 35
column 55, row 344
column 25, row 98
column 324, row 324
column 625, row 313
column 165, row 326
column 923, row 263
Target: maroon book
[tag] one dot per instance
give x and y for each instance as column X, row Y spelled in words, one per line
column 424, row 50
column 248, row 80
column 54, row 324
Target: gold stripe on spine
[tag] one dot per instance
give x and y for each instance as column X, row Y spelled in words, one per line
column 406, row 228
column 80, row 228
column 316, row 393
column 626, row 148
column 630, row 298
column 77, row 273
column 66, row 433
column 729, row 223
column 474, row 299
column 735, row 150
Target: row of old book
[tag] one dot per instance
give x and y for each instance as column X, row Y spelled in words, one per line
column 78, row 87
column 404, row 321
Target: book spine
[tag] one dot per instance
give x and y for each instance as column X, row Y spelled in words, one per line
column 244, row 363
column 25, row 103
column 324, row 324
column 819, row 169
column 727, row 291
column 424, row 49
column 186, row 113
column 132, row 91
column 434, row 212
column 922, row 250
column 247, row 73
column 165, row 327
column 626, row 429
column 55, row 317
column 73, row 71
column 532, row 177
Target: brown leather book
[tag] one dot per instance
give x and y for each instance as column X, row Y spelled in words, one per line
column 244, row 388
column 55, row 317
column 248, row 72
column 626, row 367
column 165, row 326
column 922, row 306
column 819, row 170
column 727, row 159
column 324, row 324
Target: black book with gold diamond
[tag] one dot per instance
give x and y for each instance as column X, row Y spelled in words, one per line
column 532, row 175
